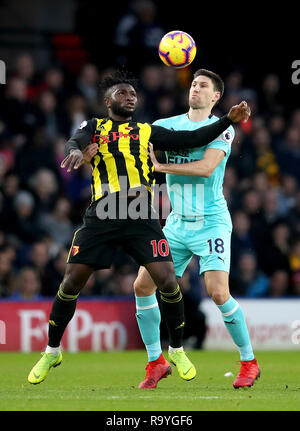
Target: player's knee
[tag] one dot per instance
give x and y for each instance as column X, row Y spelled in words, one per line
column 142, row 289
column 71, row 286
column 137, row 286
column 168, row 283
column 219, row 296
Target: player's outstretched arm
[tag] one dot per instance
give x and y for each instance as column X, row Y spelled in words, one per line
column 76, row 144
column 165, row 140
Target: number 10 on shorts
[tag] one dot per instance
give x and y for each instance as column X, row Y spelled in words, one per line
column 217, row 244
column 160, row 248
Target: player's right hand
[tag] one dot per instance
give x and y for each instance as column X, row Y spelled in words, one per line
column 73, row 161
column 89, row 152
column 239, row 112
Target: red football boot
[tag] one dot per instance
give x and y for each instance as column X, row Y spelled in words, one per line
column 156, row 370
column 249, row 372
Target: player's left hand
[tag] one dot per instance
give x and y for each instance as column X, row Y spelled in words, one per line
column 239, row 112
column 154, row 160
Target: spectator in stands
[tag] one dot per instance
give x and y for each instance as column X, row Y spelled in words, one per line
column 288, row 154
column 261, row 231
column 252, row 204
column 45, row 187
column 264, row 154
column 287, row 194
column 104, row 282
column 293, row 217
column 25, row 69
column 241, row 238
column 270, row 102
column 76, row 113
column 22, row 224
column 145, row 35
column 28, row 285
column 24, row 66
column 54, row 81
column 19, row 114
column 54, row 273
column 247, row 279
column 50, row 118
column 36, row 155
column 277, row 126
column 39, row 258
column 10, row 187
column 152, row 87
column 260, row 182
column 6, row 273
column 166, row 106
column 87, row 85
column 57, row 223
column 279, row 284
column 275, row 253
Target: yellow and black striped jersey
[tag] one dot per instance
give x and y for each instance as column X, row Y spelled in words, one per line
column 122, row 161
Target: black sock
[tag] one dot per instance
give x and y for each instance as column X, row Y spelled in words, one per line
column 63, row 310
column 173, row 311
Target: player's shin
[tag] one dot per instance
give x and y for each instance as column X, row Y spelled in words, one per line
column 173, row 310
column 63, row 309
column 235, row 322
column 148, row 319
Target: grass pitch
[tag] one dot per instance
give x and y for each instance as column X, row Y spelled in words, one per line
column 109, row 382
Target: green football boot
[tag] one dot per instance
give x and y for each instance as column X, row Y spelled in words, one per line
column 41, row 369
column 185, row 368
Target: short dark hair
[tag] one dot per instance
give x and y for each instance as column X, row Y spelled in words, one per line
column 216, row 79
column 119, row 77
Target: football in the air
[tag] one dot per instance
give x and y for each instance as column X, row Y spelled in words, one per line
column 177, row 49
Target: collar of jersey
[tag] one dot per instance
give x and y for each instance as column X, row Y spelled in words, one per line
column 208, row 118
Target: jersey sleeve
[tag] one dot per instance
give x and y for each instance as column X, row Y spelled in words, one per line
column 165, row 139
column 82, row 137
column 223, row 141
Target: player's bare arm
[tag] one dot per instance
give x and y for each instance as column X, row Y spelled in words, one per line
column 200, row 168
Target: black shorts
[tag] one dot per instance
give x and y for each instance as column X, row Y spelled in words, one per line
column 96, row 242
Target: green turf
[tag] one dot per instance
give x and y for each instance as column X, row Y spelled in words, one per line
column 108, row 381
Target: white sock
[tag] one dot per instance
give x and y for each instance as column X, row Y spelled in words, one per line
column 175, row 349
column 53, row 350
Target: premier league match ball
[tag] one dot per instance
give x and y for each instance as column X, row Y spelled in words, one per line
column 177, row 49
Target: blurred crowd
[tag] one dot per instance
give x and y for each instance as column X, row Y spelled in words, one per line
column 41, row 205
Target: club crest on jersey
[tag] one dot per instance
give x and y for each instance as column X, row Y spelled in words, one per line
column 75, row 250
